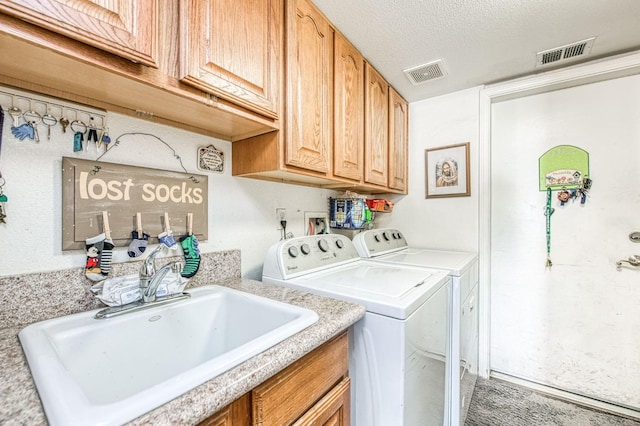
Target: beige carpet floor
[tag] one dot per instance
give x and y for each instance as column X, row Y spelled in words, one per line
column 499, row 403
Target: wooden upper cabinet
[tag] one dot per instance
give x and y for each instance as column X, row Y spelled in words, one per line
column 348, row 145
column 309, row 88
column 232, row 49
column 127, row 28
column 398, row 141
column 376, row 128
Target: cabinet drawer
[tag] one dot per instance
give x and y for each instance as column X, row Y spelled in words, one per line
column 286, row 396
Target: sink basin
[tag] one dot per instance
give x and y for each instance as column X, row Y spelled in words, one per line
column 91, row 371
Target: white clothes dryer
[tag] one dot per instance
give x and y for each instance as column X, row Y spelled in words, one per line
column 400, row 351
column 390, row 246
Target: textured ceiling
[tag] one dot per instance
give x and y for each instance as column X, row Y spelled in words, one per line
column 480, row 41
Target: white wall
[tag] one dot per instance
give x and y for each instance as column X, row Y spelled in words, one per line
column 445, row 223
column 573, row 326
column 241, row 211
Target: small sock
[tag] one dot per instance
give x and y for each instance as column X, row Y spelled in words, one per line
column 138, row 244
column 168, row 240
column 94, row 247
column 191, row 256
column 105, row 257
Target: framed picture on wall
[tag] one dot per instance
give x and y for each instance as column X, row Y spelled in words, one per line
column 447, row 171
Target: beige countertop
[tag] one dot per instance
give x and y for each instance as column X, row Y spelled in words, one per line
column 20, row 404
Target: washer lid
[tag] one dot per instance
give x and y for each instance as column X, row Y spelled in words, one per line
column 385, row 289
column 376, row 280
column 455, row 261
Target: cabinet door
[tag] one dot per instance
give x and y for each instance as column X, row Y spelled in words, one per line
column 376, row 128
column 398, row 141
column 288, row 395
column 309, row 88
column 332, row 410
column 348, row 145
column 238, row 413
column 231, row 48
column 126, row 28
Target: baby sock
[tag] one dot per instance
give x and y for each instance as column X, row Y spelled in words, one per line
column 191, row 256
column 105, row 257
column 138, row 244
column 94, row 247
column 168, row 240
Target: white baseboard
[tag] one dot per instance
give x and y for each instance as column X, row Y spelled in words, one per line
column 568, row 396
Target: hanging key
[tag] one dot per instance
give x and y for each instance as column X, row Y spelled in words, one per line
column 3, row 199
column 33, row 118
column 15, row 114
column 64, row 123
column 79, row 128
column 49, row 121
column 92, row 134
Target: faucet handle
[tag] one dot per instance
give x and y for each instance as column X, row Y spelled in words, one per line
column 148, row 268
column 177, row 267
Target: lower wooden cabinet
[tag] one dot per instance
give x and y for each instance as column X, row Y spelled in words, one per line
column 236, row 413
column 314, row 390
column 333, row 409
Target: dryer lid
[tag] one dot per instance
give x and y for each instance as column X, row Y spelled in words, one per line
column 456, row 262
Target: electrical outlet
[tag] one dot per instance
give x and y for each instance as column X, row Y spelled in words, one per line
column 281, row 214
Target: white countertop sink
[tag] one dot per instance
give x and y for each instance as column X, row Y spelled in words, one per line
column 109, row 371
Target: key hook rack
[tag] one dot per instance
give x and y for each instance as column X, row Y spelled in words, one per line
column 22, row 107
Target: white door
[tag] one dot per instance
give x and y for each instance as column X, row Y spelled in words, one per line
column 575, row 325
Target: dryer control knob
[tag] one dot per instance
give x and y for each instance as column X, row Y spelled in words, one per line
column 324, row 246
column 385, row 235
column 293, row 252
column 305, row 249
column 377, row 238
column 339, row 244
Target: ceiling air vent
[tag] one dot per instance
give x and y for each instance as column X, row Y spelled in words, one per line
column 563, row 53
column 426, row 72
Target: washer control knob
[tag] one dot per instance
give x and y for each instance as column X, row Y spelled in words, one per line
column 399, row 236
column 293, row 252
column 377, row 238
column 324, row 246
column 339, row 244
column 385, row 235
column 305, row 249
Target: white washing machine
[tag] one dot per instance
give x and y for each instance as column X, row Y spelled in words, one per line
column 400, row 351
column 389, row 246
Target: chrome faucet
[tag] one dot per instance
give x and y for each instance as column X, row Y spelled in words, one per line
column 150, row 279
column 149, row 282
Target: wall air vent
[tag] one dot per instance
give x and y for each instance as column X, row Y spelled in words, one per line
column 426, row 72
column 563, row 53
